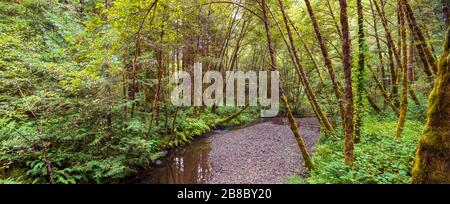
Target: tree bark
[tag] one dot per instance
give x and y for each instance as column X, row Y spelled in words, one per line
column 156, row 99
column 349, row 108
column 81, row 9
column 411, row 73
column 48, row 163
column 305, row 79
column 360, row 80
column 327, row 59
column 418, row 36
column 292, row 122
column 432, row 162
column 404, row 100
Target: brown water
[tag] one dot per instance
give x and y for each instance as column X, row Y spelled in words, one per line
column 184, row 165
column 188, row 164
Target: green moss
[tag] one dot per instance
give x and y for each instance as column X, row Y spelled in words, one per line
column 432, row 163
column 297, row 134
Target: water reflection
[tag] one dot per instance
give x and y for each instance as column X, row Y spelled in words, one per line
column 190, row 164
column 186, row 165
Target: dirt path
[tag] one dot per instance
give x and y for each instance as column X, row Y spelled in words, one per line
column 265, row 153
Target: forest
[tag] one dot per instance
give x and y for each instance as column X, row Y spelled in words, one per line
column 86, row 92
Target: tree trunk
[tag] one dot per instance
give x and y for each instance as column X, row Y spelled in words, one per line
column 393, row 53
column 346, row 51
column 156, row 99
column 81, row 9
column 446, row 12
column 48, row 163
column 384, row 93
column 231, row 117
column 418, row 36
column 292, row 122
column 380, row 53
column 411, row 73
column 327, row 59
column 372, row 102
column 423, row 59
column 301, row 71
column 404, row 100
column 308, row 52
column 335, row 22
column 360, row 80
column 432, row 162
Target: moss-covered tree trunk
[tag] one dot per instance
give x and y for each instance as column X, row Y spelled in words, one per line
column 349, row 106
column 292, row 122
column 305, row 79
column 308, row 52
column 412, row 93
column 231, row 117
column 432, row 162
column 360, row 75
column 423, row 59
column 404, row 49
column 327, row 59
column 419, row 36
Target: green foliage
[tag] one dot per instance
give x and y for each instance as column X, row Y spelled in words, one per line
column 46, row 96
column 66, row 75
column 187, row 128
column 418, row 113
column 381, row 159
column 8, row 181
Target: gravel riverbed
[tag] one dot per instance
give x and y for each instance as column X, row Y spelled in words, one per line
column 265, row 153
column 261, row 153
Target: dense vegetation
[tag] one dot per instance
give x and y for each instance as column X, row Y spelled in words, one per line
column 381, row 158
column 54, row 104
column 85, row 84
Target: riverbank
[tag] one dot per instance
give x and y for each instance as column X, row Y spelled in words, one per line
column 262, row 153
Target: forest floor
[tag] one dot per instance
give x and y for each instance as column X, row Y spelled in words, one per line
column 265, row 153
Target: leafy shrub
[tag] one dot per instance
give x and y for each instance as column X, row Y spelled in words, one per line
column 380, row 157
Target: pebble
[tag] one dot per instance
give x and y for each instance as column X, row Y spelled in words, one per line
column 265, row 153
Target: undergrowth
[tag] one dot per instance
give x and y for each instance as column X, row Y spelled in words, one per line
column 380, row 157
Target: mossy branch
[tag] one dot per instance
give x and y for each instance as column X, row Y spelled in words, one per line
column 231, row 117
